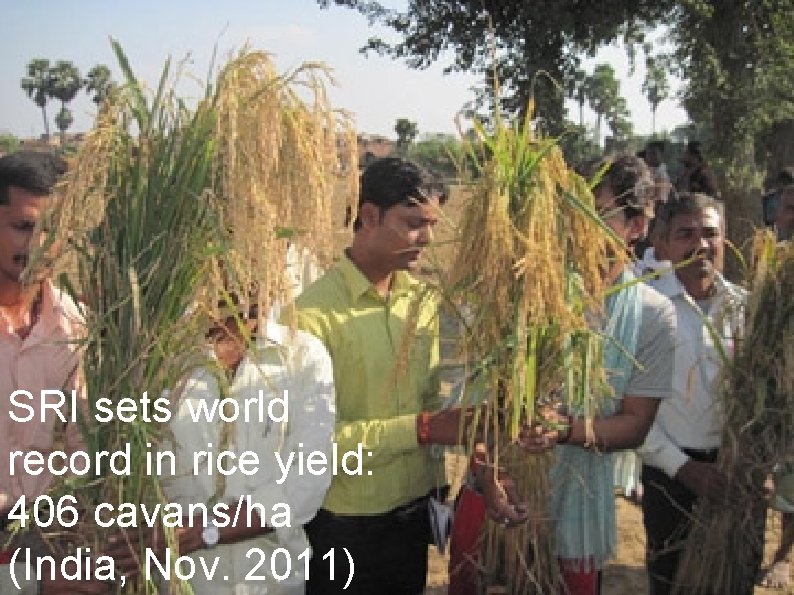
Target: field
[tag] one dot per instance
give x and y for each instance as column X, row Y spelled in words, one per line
column 626, row 574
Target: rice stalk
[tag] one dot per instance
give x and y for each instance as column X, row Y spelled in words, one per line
column 757, row 392
column 169, row 211
column 530, row 275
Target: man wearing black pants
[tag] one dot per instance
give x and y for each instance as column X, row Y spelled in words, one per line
column 364, row 310
column 680, row 451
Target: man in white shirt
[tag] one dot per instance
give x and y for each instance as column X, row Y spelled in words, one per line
column 281, row 364
column 681, row 448
column 654, row 157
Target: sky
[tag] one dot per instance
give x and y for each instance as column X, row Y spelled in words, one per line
column 377, row 90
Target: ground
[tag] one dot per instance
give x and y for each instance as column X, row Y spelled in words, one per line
column 626, row 575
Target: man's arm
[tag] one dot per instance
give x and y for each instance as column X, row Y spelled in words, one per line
column 624, row 430
column 701, row 478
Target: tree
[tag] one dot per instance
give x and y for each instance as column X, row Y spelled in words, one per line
column 406, row 132
column 736, row 59
column 655, row 86
column 63, row 120
column 618, row 119
column 577, row 90
column 64, row 86
column 603, row 93
column 8, row 143
column 440, row 153
column 518, row 42
column 99, row 82
column 37, row 85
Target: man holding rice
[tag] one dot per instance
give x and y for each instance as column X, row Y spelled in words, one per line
column 39, row 325
column 251, row 357
column 680, row 451
column 380, row 326
column 640, row 325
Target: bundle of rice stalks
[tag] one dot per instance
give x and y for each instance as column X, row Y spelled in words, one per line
column 530, row 273
column 171, row 210
column 726, row 542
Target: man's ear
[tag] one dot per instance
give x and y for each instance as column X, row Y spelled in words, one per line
column 638, row 228
column 369, row 215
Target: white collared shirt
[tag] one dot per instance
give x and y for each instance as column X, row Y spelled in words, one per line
column 693, row 418
column 294, row 361
column 649, row 264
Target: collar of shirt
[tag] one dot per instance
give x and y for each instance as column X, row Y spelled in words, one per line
column 57, row 312
column 357, row 284
column 669, row 285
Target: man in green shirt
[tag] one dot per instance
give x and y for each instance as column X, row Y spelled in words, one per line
column 380, row 326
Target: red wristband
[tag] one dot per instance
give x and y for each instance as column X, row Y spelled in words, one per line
column 423, row 428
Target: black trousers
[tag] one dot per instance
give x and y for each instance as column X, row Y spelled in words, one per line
column 667, row 511
column 389, row 551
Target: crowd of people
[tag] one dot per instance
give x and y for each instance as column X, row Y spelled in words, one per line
column 350, row 384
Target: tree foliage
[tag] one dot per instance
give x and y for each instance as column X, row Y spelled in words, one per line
column 655, row 86
column 603, row 93
column 736, row 59
column 65, row 83
column 37, row 85
column 9, row 143
column 406, row 131
column 518, row 42
column 576, row 89
column 440, row 153
column 99, row 82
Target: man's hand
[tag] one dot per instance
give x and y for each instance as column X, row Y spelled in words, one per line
column 447, row 426
column 501, row 499
column 703, row 479
column 541, row 435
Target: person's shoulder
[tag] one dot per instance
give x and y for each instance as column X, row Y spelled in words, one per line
column 656, row 306
column 303, row 347
column 326, row 290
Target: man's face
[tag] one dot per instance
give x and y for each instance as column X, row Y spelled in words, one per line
column 784, row 218
column 630, row 230
column 697, row 236
column 17, row 224
column 400, row 234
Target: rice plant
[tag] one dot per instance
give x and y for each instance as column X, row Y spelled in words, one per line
column 171, row 209
column 531, row 275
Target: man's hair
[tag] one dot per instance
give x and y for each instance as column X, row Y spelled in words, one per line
column 627, row 177
column 680, row 204
column 393, row 181
column 659, row 145
column 34, row 171
column 694, row 149
column 785, row 177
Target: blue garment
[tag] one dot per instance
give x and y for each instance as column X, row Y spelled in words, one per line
column 582, row 498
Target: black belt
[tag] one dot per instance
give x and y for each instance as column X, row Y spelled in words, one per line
column 703, row 455
column 414, row 510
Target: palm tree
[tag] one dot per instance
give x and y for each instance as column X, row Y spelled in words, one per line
column 406, row 132
column 577, row 90
column 98, row 82
column 37, row 84
column 655, row 86
column 66, row 82
column 64, row 119
column 603, row 91
column 618, row 119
